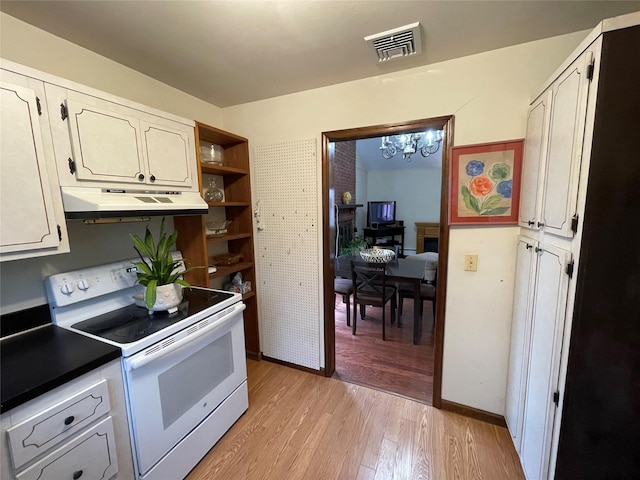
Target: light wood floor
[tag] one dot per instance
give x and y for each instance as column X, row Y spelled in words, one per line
column 395, row 365
column 304, row 426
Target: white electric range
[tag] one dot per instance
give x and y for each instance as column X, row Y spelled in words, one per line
column 184, row 372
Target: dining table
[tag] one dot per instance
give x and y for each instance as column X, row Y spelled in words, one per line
column 398, row 270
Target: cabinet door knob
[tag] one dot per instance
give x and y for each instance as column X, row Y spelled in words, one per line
column 141, row 177
column 69, row 420
column 152, row 178
column 540, row 224
column 77, row 474
column 531, row 222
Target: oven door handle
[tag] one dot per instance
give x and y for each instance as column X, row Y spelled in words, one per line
column 138, row 361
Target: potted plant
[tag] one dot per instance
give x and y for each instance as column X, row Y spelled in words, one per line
column 157, row 270
column 355, row 246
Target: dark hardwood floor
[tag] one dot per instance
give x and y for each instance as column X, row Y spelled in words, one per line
column 395, row 365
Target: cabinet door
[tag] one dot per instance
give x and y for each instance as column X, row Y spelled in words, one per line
column 106, row 144
column 534, row 162
column 520, row 337
column 566, row 133
column 169, row 155
column 547, row 321
column 27, row 210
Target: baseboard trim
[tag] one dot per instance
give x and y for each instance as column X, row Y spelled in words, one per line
column 471, row 412
column 254, row 356
column 293, row 365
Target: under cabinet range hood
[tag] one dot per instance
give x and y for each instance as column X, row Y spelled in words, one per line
column 95, row 202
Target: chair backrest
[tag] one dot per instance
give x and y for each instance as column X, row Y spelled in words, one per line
column 369, row 277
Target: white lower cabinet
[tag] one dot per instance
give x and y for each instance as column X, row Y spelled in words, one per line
column 77, row 431
column 542, row 279
column 89, row 456
column 520, row 337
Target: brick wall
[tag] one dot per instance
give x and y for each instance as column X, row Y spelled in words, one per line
column 344, row 175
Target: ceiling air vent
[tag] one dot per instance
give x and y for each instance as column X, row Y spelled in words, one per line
column 397, row 43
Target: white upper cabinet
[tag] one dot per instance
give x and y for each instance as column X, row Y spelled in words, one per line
column 534, row 162
column 118, row 144
column 566, row 133
column 30, row 203
column 106, row 144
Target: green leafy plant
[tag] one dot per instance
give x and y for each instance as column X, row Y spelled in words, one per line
column 158, row 267
column 356, row 245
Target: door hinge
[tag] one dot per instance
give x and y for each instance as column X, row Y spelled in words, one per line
column 556, row 397
column 64, row 113
column 38, row 106
column 574, row 224
column 72, row 166
column 59, row 233
column 590, row 70
column 570, row 269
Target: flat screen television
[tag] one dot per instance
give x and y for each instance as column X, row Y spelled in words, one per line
column 382, row 213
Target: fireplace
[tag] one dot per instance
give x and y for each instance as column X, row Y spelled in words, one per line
column 345, row 234
column 427, row 235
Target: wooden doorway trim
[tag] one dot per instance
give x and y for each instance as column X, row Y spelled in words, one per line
column 328, row 232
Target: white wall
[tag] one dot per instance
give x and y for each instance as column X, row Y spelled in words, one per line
column 488, row 94
column 21, row 280
column 416, row 192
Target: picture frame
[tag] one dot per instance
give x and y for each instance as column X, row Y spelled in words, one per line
column 485, row 183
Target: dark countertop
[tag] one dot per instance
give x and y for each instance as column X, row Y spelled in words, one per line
column 39, row 360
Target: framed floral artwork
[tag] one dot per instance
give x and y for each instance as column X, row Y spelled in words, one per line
column 485, row 183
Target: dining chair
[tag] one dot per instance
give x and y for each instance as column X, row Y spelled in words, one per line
column 369, row 283
column 427, row 293
column 428, row 286
column 344, row 287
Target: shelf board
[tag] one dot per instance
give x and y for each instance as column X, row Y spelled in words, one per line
column 342, row 206
column 246, row 296
column 226, row 237
column 214, row 169
column 228, row 204
column 229, row 269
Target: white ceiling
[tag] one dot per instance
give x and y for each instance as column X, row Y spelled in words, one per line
column 233, row 52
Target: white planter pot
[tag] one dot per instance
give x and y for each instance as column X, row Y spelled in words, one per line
column 168, row 297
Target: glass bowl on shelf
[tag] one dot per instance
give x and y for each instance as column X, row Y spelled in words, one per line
column 212, row 193
column 217, row 227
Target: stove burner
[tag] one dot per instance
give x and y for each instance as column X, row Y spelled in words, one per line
column 135, row 329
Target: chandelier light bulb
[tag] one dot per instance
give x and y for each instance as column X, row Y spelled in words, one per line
column 427, row 143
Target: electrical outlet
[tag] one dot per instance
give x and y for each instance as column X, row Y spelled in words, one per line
column 471, row 263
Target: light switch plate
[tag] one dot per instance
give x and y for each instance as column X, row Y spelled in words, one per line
column 471, row 263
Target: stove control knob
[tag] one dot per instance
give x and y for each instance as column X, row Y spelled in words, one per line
column 66, row 289
column 83, row 285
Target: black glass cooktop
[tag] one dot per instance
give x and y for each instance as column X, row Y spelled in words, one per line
column 131, row 323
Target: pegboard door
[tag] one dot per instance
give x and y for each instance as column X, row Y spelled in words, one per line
column 287, row 251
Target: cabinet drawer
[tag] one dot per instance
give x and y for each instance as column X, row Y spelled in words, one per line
column 42, row 431
column 89, row 456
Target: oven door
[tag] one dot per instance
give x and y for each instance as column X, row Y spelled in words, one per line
column 175, row 384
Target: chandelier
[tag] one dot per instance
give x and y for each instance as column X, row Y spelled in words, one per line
column 427, row 143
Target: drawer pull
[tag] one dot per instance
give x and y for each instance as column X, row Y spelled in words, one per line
column 69, row 420
column 77, row 475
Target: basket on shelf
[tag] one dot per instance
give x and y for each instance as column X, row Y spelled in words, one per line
column 226, row 259
column 377, row 255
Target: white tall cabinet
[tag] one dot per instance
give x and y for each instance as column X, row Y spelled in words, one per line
column 561, row 212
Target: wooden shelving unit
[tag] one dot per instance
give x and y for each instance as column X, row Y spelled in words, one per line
column 193, row 241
